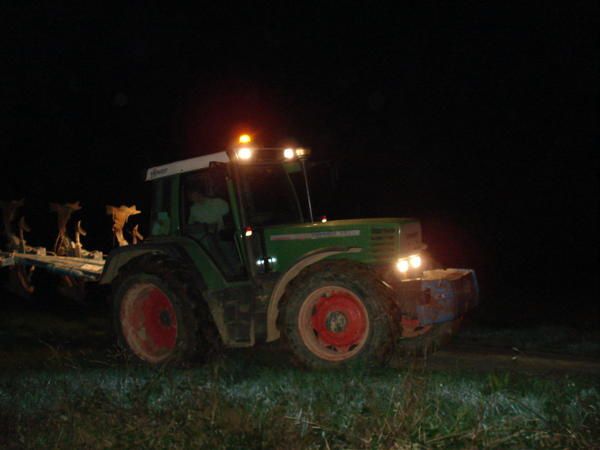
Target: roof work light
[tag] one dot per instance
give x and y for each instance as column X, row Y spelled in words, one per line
column 302, row 153
column 244, row 153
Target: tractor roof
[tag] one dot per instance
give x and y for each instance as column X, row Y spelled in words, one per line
column 186, row 165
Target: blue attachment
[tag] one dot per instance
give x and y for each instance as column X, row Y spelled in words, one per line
column 447, row 295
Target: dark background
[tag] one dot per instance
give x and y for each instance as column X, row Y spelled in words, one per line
column 480, row 120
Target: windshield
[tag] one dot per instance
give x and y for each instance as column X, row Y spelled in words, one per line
column 269, row 195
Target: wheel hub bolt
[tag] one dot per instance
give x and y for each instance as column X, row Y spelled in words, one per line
column 336, row 322
column 165, row 318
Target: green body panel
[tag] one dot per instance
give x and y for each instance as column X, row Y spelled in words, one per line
column 378, row 239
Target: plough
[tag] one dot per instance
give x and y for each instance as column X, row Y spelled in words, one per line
column 68, row 258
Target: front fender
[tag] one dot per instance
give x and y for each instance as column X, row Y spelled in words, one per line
column 279, row 289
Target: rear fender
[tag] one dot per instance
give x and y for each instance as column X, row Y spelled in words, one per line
column 122, row 256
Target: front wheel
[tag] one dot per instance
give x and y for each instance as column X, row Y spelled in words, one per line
column 336, row 316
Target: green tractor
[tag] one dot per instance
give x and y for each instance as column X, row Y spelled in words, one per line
column 231, row 254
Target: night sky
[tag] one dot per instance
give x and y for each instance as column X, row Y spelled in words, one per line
column 481, row 120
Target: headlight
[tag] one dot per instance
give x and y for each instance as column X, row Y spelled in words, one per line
column 415, row 261
column 405, row 264
column 402, row 265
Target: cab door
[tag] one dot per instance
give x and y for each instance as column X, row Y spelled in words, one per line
column 268, row 198
column 207, row 217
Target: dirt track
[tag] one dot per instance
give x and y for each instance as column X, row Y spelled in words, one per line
column 30, row 338
column 452, row 357
column 487, row 359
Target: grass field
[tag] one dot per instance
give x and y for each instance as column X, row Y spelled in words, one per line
column 248, row 400
column 63, row 385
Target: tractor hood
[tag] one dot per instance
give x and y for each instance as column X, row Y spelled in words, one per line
column 381, row 240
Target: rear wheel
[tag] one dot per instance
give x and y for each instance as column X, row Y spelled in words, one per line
column 334, row 315
column 154, row 315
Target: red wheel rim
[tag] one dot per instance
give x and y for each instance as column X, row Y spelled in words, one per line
column 333, row 323
column 149, row 322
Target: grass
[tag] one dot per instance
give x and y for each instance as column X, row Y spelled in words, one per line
column 61, row 386
column 243, row 401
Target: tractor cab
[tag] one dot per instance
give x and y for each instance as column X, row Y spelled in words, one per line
column 224, row 201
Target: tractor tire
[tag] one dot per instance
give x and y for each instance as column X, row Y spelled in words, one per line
column 336, row 314
column 155, row 312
